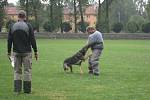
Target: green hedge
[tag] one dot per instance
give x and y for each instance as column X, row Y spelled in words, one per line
column 117, row 27
column 146, row 27
column 66, row 26
column 48, row 26
column 82, row 26
column 132, row 27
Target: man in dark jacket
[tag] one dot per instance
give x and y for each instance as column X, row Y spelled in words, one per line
column 21, row 36
column 95, row 37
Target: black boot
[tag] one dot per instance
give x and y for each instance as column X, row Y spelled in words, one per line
column 27, row 86
column 17, row 86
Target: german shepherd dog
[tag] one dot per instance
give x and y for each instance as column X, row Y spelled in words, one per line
column 76, row 59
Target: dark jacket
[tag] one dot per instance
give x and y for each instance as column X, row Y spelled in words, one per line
column 21, row 36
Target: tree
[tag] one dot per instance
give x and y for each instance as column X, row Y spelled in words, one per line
column 78, row 7
column 3, row 3
column 140, row 6
column 24, row 5
column 36, row 5
column 75, row 16
column 32, row 8
column 121, row 11
column 103, row 16
column 51, row 4
column 99, row 15
column 82, row 4
column 139, row 20
column 9, row 23
column 82, row 19
column 48, row 26
column 60, row 15
column 54, row 11
column 11, row 5
column 148, row 9
column 27, row 9
column 107, row 16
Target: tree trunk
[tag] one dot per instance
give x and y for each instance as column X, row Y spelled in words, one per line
column 60, row 16
column 51, row 14
column 27, row 9
column 99, row 15
column 107, row 16
column 36, row 20
column 75, row 17
column 81, row 14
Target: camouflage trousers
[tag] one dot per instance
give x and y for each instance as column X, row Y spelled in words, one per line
column 94, row 61
column 22, row 62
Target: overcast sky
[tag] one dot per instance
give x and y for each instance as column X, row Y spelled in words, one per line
column 14, row 1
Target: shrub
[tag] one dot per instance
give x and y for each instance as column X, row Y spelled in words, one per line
column 66, row 27
column 117, row 27
column 132, row 27
column 47, row 26
column 34, row 24
column 146, row 27
column 9, row 24
column 102, row 27
column 82, row 26
column 139, row 20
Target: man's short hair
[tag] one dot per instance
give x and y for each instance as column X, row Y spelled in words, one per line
column 90, row 28
column 21, row 14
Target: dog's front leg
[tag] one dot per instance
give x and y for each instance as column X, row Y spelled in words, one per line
column 87, row 56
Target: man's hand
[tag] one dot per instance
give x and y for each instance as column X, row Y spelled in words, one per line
column 36, row 55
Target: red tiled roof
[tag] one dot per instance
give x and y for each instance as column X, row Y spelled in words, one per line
column 11, row 10
column 92, row 9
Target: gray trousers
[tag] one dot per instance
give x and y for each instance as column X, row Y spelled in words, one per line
column 25, row 60
column 94, row 61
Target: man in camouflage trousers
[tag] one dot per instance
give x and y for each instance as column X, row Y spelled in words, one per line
column 21, row 36
column 95, row 37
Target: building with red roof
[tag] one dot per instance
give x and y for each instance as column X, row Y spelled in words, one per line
column 90, row 14
column 11, row 12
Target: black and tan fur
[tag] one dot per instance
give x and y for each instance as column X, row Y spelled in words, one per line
column 76, row 59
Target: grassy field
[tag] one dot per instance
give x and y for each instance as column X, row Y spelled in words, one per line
column 125, row 72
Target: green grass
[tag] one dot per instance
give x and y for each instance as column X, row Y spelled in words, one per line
column 125, row 72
